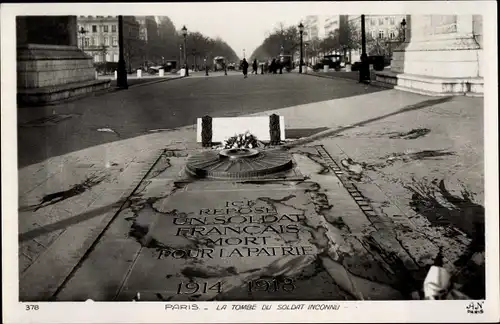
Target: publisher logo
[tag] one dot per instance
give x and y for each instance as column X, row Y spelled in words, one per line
column 475, row 307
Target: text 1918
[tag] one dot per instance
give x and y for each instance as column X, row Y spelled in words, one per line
column 271, row 285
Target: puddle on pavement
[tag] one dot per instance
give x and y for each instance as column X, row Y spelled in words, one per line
column 441, row 208
column 409, row 135
column 391, row 159
column 412, row 134
column 51, row 120
column 75, row 190
column 458, row 214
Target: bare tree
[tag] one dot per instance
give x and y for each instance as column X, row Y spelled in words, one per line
column 282, row 39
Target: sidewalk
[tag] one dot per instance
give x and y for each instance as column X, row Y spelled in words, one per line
column 402, row 142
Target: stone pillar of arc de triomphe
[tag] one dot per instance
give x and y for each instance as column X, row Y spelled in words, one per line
column 50, row 66
column 441, row 55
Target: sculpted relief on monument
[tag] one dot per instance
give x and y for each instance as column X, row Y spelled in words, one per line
column 444, row 24
column 423, row 26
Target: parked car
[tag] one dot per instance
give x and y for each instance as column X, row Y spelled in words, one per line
column 170, row 66
column 377, row 61
column 356, row 66
column 153, row 69
column 106, row 68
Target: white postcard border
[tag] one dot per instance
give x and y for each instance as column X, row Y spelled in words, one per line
column 144, row 312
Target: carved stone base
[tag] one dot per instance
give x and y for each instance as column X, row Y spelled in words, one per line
column 457, row 57
column 53, row 94
column 50, row 73
column 442, row 66
column 429, row 85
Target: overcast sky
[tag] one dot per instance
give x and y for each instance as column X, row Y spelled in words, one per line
column 243, row 25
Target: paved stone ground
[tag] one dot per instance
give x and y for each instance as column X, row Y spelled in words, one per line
column 405, row 145
column 420, row 166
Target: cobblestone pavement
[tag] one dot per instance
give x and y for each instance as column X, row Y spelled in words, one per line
column 409, row 155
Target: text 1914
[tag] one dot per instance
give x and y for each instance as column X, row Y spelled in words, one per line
column 190, row 288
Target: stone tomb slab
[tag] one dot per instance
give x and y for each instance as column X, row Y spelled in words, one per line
column 228, row 245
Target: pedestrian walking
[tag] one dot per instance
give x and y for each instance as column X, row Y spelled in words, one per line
column 274, row 68
column 244, row 67
column 254, row 67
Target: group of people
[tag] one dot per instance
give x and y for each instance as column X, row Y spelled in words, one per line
column 272, row 66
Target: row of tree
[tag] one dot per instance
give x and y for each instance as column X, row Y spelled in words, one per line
column 349, row 38
column 286, row 40
column 283, row 39
column 168, row 44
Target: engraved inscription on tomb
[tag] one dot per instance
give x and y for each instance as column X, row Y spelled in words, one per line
column 238, row 229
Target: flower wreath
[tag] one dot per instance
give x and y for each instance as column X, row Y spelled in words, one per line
column 245, row 140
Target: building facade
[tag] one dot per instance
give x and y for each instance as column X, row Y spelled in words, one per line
column 148, row 28
column 379, row 26
column 98, row 38
column 311, row 27
column 331, row 23
column 379, row 29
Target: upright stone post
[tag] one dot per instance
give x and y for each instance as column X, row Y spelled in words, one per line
column 121, row 81
column 206, row 131
column 274, row 129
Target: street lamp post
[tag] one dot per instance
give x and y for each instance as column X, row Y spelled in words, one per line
column 307, row 58
column 403, row 29
column 180, row 56
column 185, row 32
column 121, row 81
column 243, row 53
column 82, row 31
column 364, row 71
column 301, row 31
column 193, row 51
